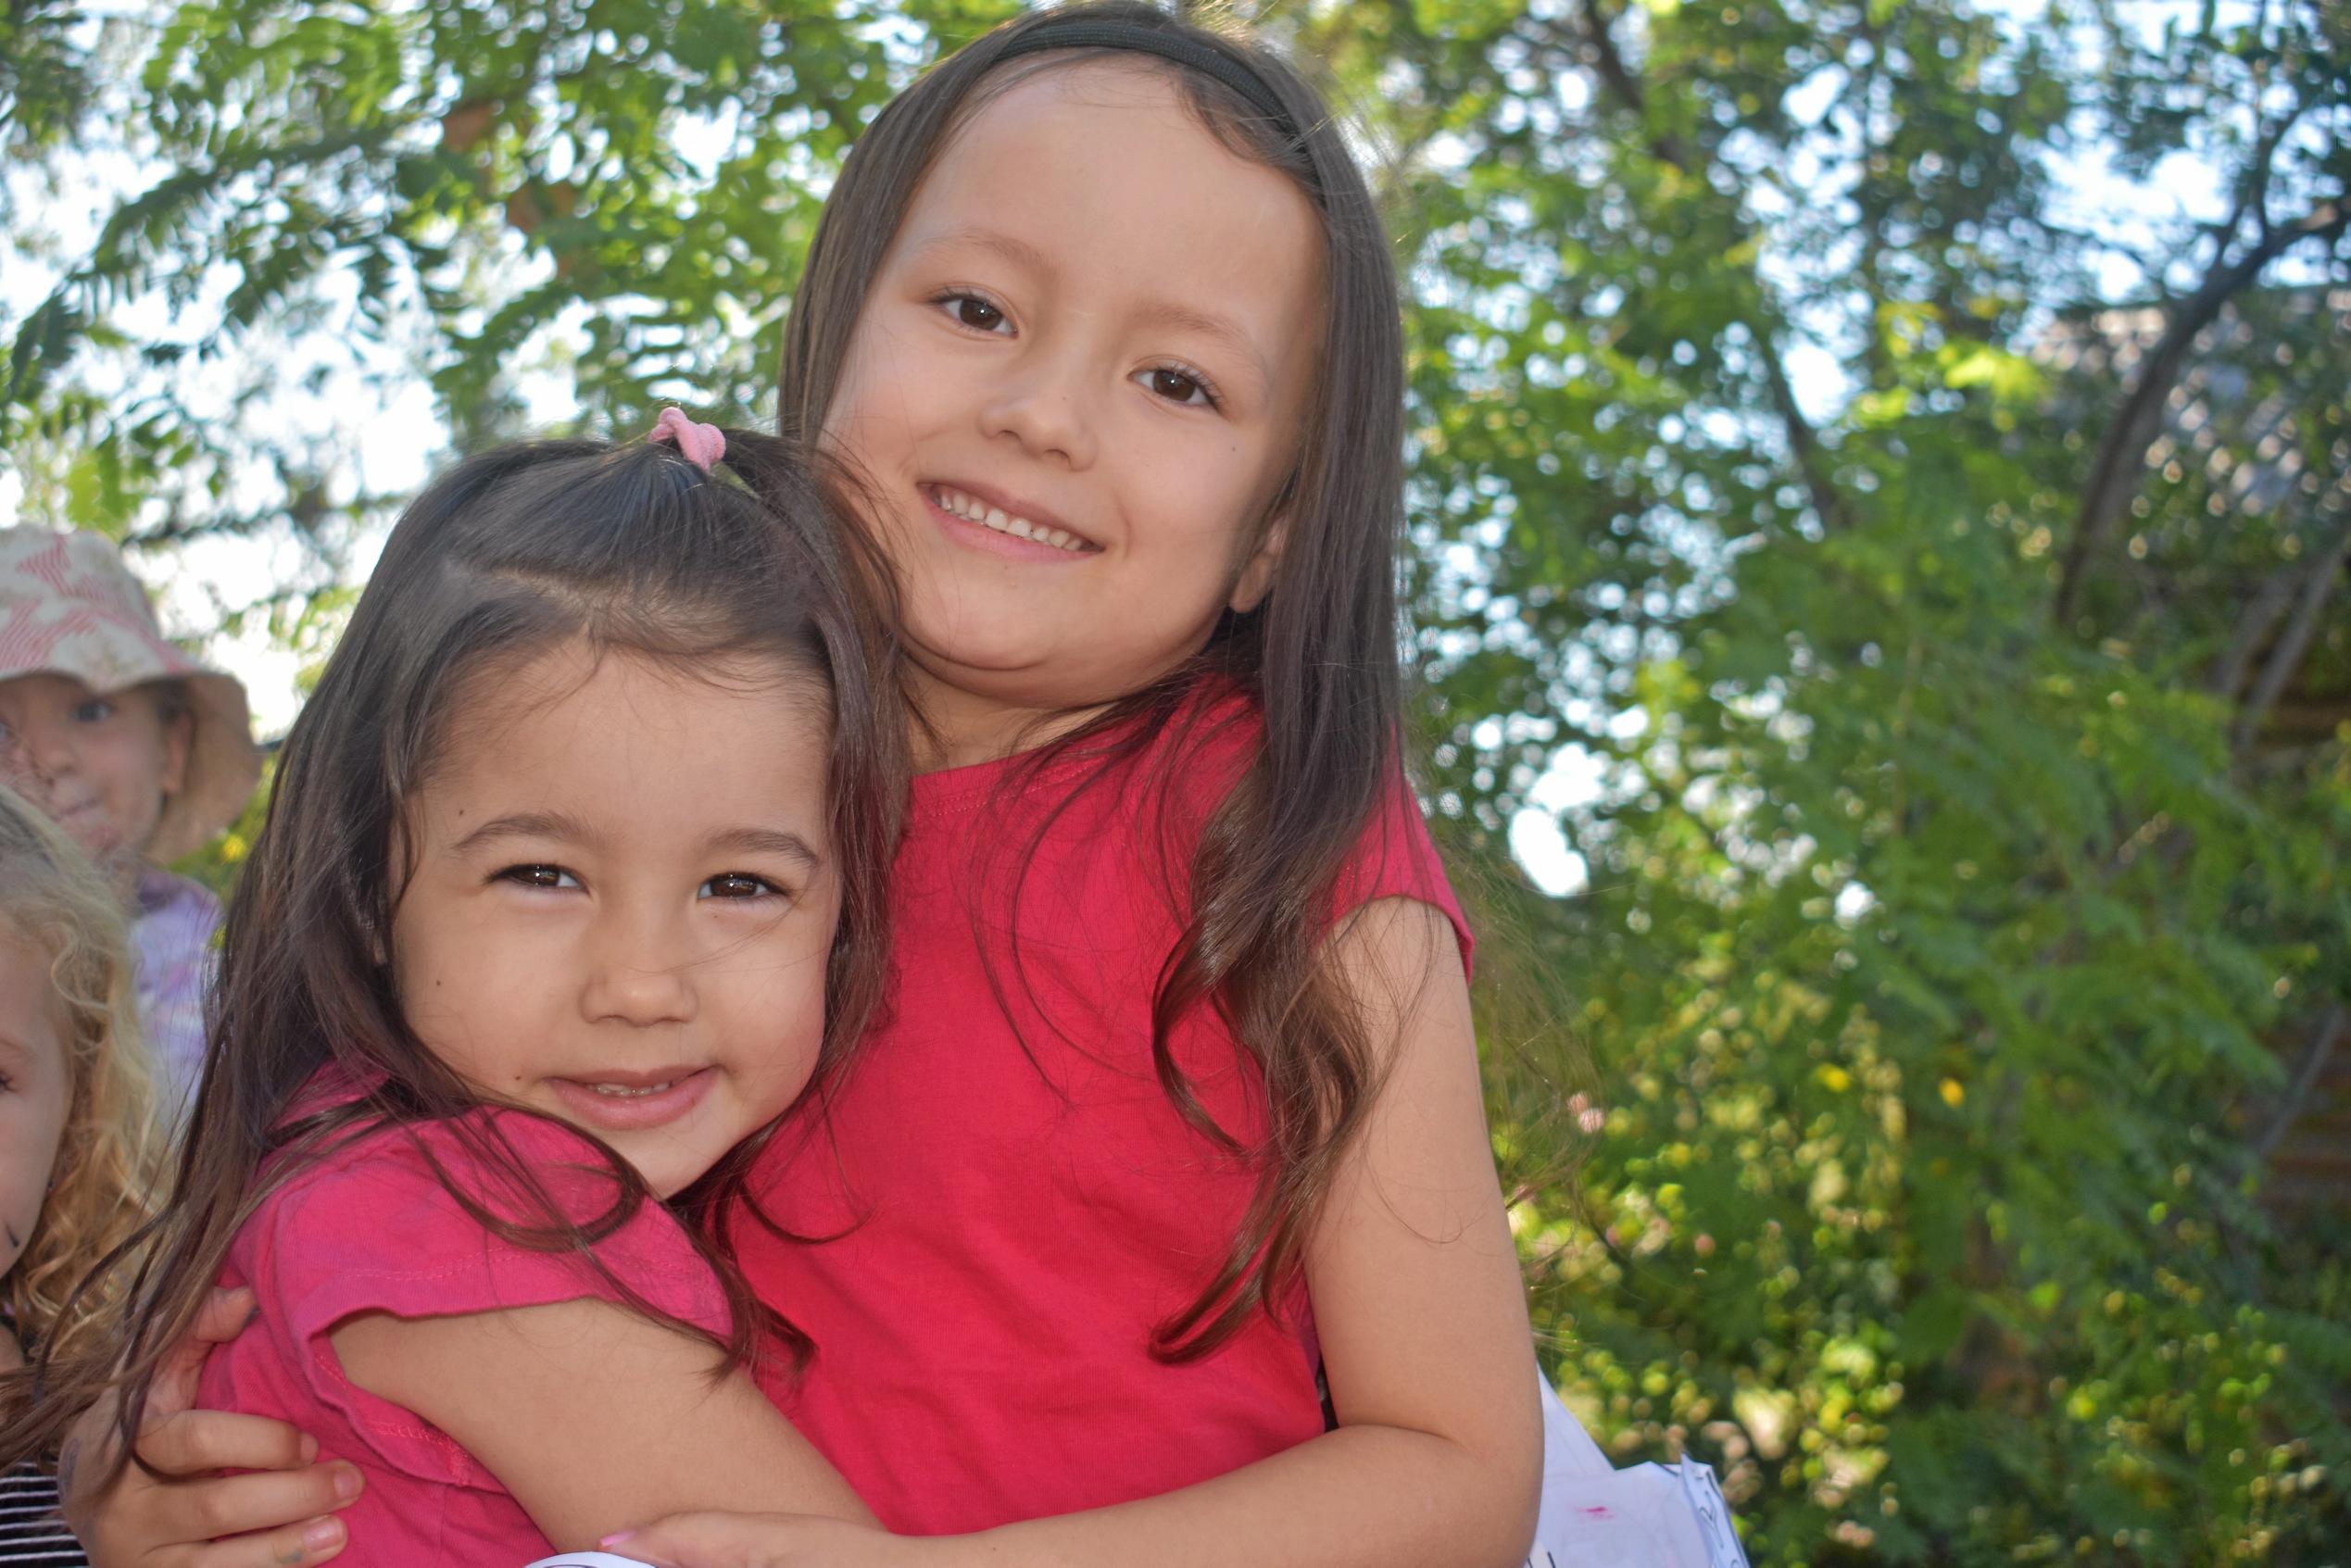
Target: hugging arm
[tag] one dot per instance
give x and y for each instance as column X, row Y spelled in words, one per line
column 594, row 1416
column 279, row 1514
column 1417, row 1298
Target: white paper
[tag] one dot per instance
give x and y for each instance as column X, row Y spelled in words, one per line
column 1567, row 1448
column 1648, row 1516
column 1713, row 1513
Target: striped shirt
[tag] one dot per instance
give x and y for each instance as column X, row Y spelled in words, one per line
column 31, row 1534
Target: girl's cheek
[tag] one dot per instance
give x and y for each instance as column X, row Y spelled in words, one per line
column 127, row 755
column 31, row 1130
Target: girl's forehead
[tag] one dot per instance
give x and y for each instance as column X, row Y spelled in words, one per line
column 46, row 682
column 1042, row 134
column 576, row 698
column 1100, row 176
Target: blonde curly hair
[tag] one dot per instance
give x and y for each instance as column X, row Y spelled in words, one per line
column 104, row 1185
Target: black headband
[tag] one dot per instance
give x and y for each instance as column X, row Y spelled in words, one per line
column 1142, row 40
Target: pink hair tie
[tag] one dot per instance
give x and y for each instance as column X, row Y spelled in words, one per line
column 700, row 445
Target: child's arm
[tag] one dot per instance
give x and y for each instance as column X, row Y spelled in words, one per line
column 175, row 1505
column 1417, row 1298
column 594, row 1416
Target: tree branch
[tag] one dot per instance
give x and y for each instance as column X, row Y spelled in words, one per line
column 1804, row 442
column 2114, row 474
column 2305, row 1078
column 1595, row 45
column 2253, row 629
column 1600, row 47
column 2286, row 657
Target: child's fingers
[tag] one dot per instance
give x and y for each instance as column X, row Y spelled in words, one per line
column 295, row 1546
column 194, row 1442
column 173, row 1439
column 708, row 1540
column 277, row 1502
column 179, row 1524
column 223, row 1316
column 85, row 1457
column 219, row 1319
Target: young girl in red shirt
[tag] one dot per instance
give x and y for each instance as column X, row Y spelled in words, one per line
column 1176, row 1102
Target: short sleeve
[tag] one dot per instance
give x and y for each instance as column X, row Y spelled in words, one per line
column 1396, row 859
column 375, row 1228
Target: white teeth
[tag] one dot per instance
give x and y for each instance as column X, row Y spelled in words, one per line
column 972, row 509
column 618, row 1092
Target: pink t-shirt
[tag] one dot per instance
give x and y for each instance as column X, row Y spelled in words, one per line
column 1017, row 1229
column 371, row 1229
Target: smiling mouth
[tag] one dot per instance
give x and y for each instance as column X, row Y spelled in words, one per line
column 622, row 1102
column 971, row 509
column 621, row 1091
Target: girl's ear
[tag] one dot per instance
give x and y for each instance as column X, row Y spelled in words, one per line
column 179, row 739
column 1256, row 579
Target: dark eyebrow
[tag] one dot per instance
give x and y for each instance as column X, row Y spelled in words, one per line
column 767, row 841
column 526, row 824
column 1183, row 317
column 1010, row 248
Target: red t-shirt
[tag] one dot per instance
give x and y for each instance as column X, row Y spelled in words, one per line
column 1015, row 1229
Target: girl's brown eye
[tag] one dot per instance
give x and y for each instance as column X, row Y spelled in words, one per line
column 737, row 884
column 1174, row 385
column 979, row 314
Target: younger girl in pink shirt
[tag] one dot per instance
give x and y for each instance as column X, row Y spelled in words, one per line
column 568, row 888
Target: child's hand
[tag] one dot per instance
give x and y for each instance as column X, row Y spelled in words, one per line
column 776, row 1541
column 281, row 1514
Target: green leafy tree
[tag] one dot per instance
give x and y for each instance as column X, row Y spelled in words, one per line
column 1953, row 883
column 1924, row 541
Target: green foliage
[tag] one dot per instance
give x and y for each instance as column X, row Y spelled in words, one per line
column 1972, row 739
column 1938, row 950
column 218, row 863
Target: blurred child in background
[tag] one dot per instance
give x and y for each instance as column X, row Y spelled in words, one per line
column 140, row 753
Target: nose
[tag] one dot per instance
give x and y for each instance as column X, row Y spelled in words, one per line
column 636, row 977
column 1043, row 405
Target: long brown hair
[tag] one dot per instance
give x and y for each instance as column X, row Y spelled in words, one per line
column 1319, row 656
column 513, row 552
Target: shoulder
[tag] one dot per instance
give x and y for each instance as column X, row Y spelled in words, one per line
column 488, row 1159
column 163, row 896
column 1203, row 751
column 1196, row 753
column 173, row 930
column 470, row 1213
column 1396, row 859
